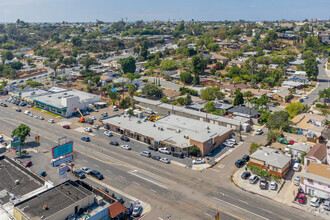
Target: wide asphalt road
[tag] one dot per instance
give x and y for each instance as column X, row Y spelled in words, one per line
column 170, row 190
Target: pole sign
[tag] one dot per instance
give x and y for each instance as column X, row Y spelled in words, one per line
column 16, row 144
column 61, row 150
column 62, row 171
column 63, row 160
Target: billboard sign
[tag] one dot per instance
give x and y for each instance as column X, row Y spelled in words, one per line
column 61, row 150
column 15, row 145
column 63, row 160
column 62, row 171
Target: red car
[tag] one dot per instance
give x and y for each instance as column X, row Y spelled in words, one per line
column 301, row 198
column 27, row 163
column 66, row 126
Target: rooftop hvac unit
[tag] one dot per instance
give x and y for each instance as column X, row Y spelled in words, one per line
column 178, row 131
column 186, row 136
column 99, row 200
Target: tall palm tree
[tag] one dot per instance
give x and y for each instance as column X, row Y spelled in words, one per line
column 325, row 94
column 131, row 91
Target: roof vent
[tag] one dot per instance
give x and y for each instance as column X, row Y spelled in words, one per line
column 186, row 136
column 178, row 131
column 266, row 154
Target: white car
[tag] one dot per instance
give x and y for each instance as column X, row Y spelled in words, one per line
column 305, row 97
column 228, row 144
column 108, row 133
column 51, row 121
column 231, row 141
column 273, row 185
column 297, row 167
column 96, row 127
column 296, row 180
column 27, row 112
column 164, row 160
column 253, row 179
column 198, row 161
column 258, row 132
column 164, row 150
column 88, row 129
column 315, row 202
column 126, row 147
column 85, row 170
column 93, row 117
column 287, row 148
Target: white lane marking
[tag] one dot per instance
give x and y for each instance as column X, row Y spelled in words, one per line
column 221, row 166
column 121, row 176
column 240, row 208
column 243, row 201
column 153, row 190
column 96, row 165
column 85, row 160
column 160, row 218
column 137, row 183
column 205, row 213
column 267, row 210
column 146, row 179
column 215, row 170
column 109, row 171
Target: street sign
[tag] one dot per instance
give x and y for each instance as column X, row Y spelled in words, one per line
column 63, row 160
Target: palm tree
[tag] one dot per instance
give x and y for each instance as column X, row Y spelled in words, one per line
column 131, row 91
column 325, row 94
column 248, row 95
column 291, row 93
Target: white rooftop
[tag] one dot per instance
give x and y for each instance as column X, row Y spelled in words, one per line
column 269, row 156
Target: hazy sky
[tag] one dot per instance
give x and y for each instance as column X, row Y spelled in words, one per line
column 148, row 10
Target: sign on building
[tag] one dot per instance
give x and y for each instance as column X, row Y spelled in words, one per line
column 61, row 150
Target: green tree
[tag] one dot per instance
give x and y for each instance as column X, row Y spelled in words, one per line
column 125, row 103
column 274, row 134
column 88, row 61
column 296, row 108
column 254, row 147
column 210, row 106
column 279, row 120
column 239, row 100
column 76, row 41
column 248, row 95
column 188, row 100
column 132, row 77
column 168, row 65
column 211, row 93
column 128, row 65
column 311, row 68
column 194, row 151
column 6, row 55
column 325, row 94
column 186, row 77
column 307, row 54
column 131, row 91
column 22, row 131
column 152, row 90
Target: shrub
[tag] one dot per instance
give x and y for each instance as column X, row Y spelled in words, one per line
column 194, row 151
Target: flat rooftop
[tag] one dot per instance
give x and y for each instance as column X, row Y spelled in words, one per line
column 56, row 199
column 171, row 129
column 9, row 173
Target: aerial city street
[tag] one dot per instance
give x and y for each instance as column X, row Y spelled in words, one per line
column 197, row 110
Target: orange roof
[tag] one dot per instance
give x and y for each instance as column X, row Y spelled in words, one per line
column 115, row 209
column 319, row 169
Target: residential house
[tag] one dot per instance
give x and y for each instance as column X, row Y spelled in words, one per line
column 317, row 154
column 222, row 59
column 244, row 112
column 279, row 95
column 273, row 66
column 256, row 92
column 271, row 161
column 310, row 125
column 209, row 82
column 232, row 87
column 299, row 148
column 250, row 53
column 316, row 180
column 293, row 84
column 238, row 63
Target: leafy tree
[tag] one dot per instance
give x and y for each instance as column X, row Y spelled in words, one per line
column 152, row 90
column 186, row 77
column 187, row 100
column 271, row 36
column 254, row 147
column 248, row 95
column 210, row 106
column 6, row 55
column 325, row 94
column 128, row 65
column 239, row 100
column 249, row 32
column 213, row 71
column 190, row 52
column 194, row 151
column 34, row 84
column 307, row 54
column 22, row 131
column 198, row 65
column 131, row 91
column 296, row 108
column 196, row 79
column 168, row 65
column 211, row 93
column 279, row 120
column 16, row 65
column 132, row 77
column 125, row 103
column 311, row 67
column 274, row 134
column 88, row 61
column 144, row 50
column 76, row 41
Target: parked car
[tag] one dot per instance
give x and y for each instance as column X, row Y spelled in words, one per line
column 326, row 205
column 96, row 174
column 231, row 141
column 86, row 138
column 301, row 198
column 228, row 144
column 96, row 127
column 198, row 161
column 18, row 109
column 124, row 138
column 150, row 147
column 155, row 157
column 246, row 158
column 93, row 117
column 51, row 121
column 108, row 133
column 79, row 174
column 287, row 148
column 315, row 202
column 273, row 185
column 178, row 154
column 137, row 210
column 263, row 184
column 258, row 132
column 27, row 163
column 115, row 108
column 88, row 129
column 41, row 118
column 164, row 160
column 145, row 154
column 296, row 180
column 245, row 175
column 85, row 170
column 253, row 179
column 42, row 173
column 239, row 163
column 297, row 167
column 66, row 126
column 126, row 147
column 27, row 112
column 115, row 143
column 164, row 150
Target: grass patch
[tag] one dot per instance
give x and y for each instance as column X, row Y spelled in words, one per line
column 36, row 108
column 49, row 113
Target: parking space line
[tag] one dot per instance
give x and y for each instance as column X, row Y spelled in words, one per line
column 215, row 170
column 137, row 183
column 109, row 171
column 243, row 201
column 121, row 176
column 153, row 190
column 205, row 213
column 267, row 211
column 85, row 160
column 96, row 165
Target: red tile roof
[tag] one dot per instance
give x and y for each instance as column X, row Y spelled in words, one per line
column 115, row 209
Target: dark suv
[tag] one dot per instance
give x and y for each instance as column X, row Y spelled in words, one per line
column 79, row 174
column 263, row 184
column 246, row 158
column 239, row 163
column 96, row 174
column 124, row 138
column 153, row 148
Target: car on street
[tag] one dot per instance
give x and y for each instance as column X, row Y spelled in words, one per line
column 301, row 198
column 246, row 158
column 79, row 174
column 145, row 154
column 296, row 180
column 164, row 160
column 86, row 138
column 239, row 163
column 96, row 174
column 85, row 170
column 27, row 112
column 150, row 147
column 41, row 118
column 315, row 202
column 51, row 121
column 42, row 173
column 18, row 109
column 253, row 179
column 273, row 185
column 198, row 161
column 66, row 126
column 96, row 127
column 115, row 143
column 164, row 150
column 137, row 210
column 88, row 129
column 326, row 205
column 126, row 147
column 245, row 175
column 155, row 157
column 108, row 133
column 297, row 167
column 27, row 163
column 258, row 132
column 263, row 184
column 124, row 138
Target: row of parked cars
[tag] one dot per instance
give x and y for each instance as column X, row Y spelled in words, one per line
column 85, row 170
column 263, row 183
column 27, row 112
column 155, row 157
column 16, row 102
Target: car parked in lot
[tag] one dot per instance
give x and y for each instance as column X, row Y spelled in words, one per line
column 228, row 144
column 253, row 179
column 51, row 121
column 115, row 143
column 155, row 157
column 246, row 158
column 258, row 132
column 245, row 175
column 88, row 129
column 42, row 173
column 296, row 180
column 27, row 163
column 231, row 141
column 18, row 110
column 301, row 198
column 79, row 174
column 126, row 147
column 86, row 138
column 297, row 167
column 150, row 147
column 137, row 210
column 145, row 154
column 198, row 161
column 124, row 138
column 66, row 126
column 96, row 174
column 85, row 170
column 263, row 184
column 108, row 133
column 41, row 118
column 164, row 150
column 273, row 185
column 164, row 160
column 326, row 205
column 96, row 127
column 315, row 202
column 178, row 154
column 239, row 163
